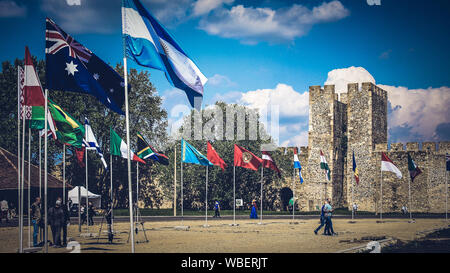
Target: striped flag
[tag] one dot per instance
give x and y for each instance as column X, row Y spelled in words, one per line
column 388, row 166
column 91, row 143
column 355, row 170
column 412, row 168
column 119, row 147
column 297, row 164
column 324, row 165
column 268, row 162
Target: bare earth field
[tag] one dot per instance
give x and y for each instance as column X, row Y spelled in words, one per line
column 274, row 236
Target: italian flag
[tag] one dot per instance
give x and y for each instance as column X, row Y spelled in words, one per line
column 119, row 147
column 388, row 166
column 324, row 165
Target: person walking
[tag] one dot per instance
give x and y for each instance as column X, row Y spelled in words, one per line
column 4, row 210
column 328, row 223
column 36, row 218
column 322, row 219
column 56, row 221
column 217, row 209
column 66, row 222
column 91, row 214
column 109, row 217
column 253, row 213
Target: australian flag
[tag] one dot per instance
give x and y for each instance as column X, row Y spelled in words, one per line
column 72, row 67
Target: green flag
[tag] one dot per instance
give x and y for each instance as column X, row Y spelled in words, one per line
column 68, row 130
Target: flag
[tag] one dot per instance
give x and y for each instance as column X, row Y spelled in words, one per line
column 72, row 67
column 246, row 159
column 412, row 168
column 324, row 165
column 297, row 164
column 79, row 152
column 190, row 155
column 118, row 147
column 145, row 150
column 149, row 44
column 447, row 160
column 267, row 162
column 91, row 143
column 388, row 166
column 214, row 157
column 34, row 102
column 68, row 130
column 355, row 170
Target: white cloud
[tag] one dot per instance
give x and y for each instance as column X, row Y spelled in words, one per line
column 202, row 7
column 73, row 2
column 252, row 25
column 341, row 77
column 415, row 113
column 9, row 9
column 291, row 103
column 221, row 80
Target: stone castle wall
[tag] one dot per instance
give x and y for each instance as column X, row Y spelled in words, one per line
column 356, row 122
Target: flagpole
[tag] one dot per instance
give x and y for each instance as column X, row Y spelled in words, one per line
column 23, row 180
column 64, row 174
column 182, row 197
column 29, row 187
column 79, row 208
column 353, row 198
column 45, row 173
column 175, row 181
column 381, row 196
column 409, row 193
column 111, row 190
column 446, row 193
column 87, row 186
column 40, row 167
column 234, row 194
column 130, row 197
column 293, row 194
column 137, row 189
column 262, row 179
column 206, row 202
column 18, row 152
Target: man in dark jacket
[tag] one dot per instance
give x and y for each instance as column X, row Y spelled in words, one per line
column 56, row 221
column 322, row 219
column 66, row 221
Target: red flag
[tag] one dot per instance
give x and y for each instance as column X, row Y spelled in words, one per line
column 80, row 155
column 246, row 159
column 269, row 163
column 214, row 157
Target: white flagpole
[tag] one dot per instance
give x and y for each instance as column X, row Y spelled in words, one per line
column 175, row 181
column 79, row 208
column 182, row 197
column 353, row 200
column 206, row 202
column 23, row 180
column 87, row 178
column 130, row 195
column 29, row 187
column 137, row 189
column 45, row 174
column 381, row 196
column 19, row 163
column 64, row 174
column 409, row 192
column 111, row 191
column 293, row 194
column 40, row 166
column 234, row 195
column 262, row 180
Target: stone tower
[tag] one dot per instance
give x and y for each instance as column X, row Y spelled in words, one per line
column 327, row 127
column 367, row 126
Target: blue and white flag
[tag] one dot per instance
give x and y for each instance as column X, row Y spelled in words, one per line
column 297, row 165
column 150, row 45
column 72, row 67
column 91, row 143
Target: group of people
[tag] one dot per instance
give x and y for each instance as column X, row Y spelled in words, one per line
column 325, row 219
column 84, row 214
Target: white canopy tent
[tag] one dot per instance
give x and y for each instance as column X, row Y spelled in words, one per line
column 95, row 199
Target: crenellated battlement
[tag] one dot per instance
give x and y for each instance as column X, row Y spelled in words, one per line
column 439, row 147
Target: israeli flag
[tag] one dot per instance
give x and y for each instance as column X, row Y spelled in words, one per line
column 150, row 45
column 297, row 165
column 91, row 143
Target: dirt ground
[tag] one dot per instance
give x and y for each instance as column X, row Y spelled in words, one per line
column 273, row 236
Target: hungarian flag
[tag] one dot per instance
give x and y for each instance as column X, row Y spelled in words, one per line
column 214, row 157
column 388, row 166
column 246, row 159
column 34, row 102
column 68, row 130
column 145, row 150
column 412, row 168
column 324, row 165
column 355, row 169
column 118, row 147
column 268, row 162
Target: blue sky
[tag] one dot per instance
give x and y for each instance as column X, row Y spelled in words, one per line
column 247, row 48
